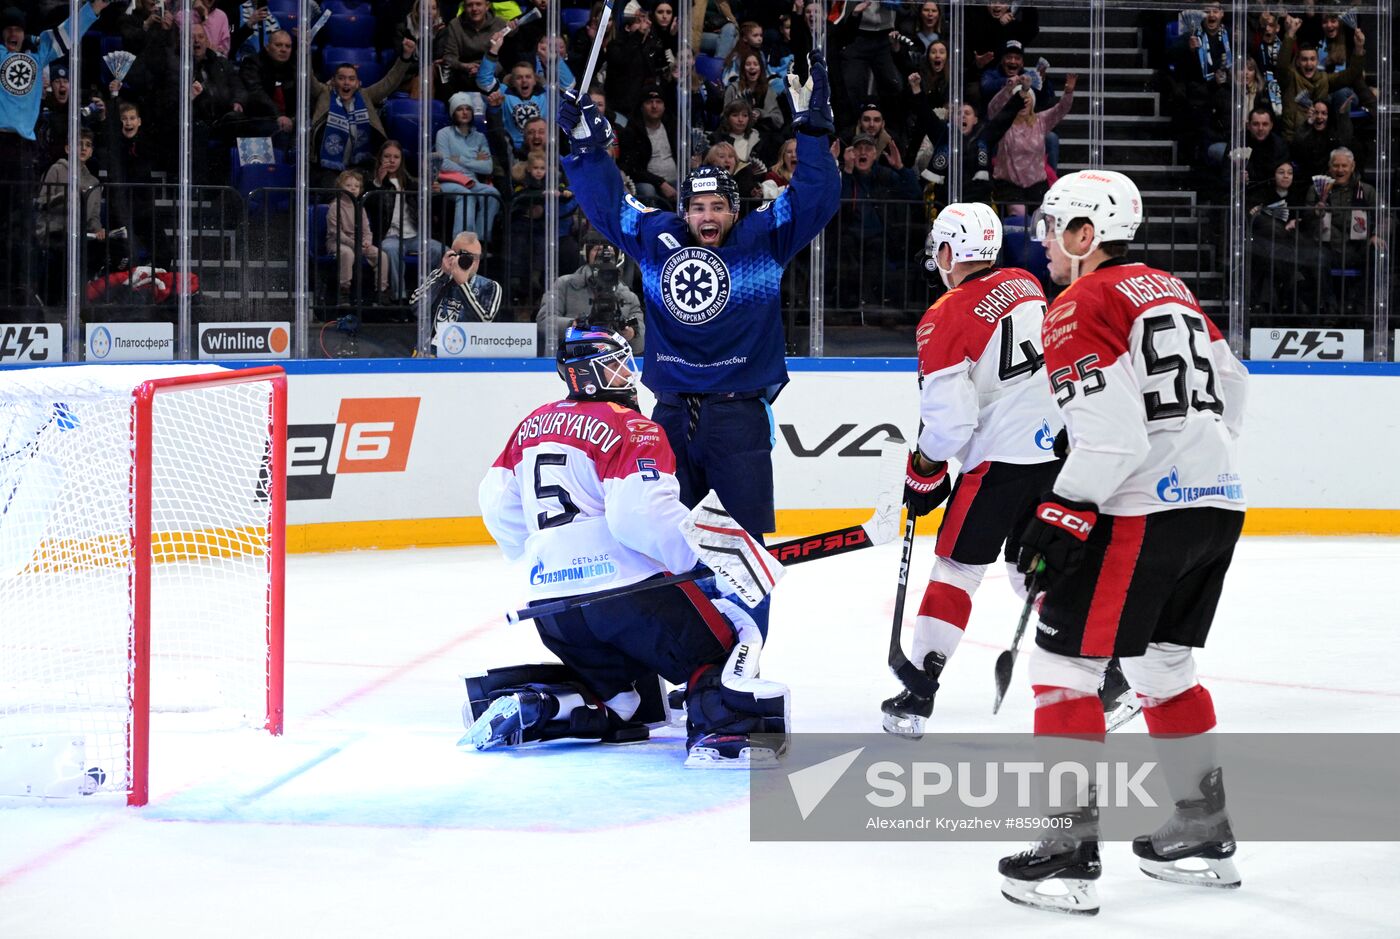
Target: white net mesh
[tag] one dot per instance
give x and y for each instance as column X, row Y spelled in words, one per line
column 67, row 567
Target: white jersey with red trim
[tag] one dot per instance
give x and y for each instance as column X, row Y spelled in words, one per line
column 1152, row 395
column 586, row 493
column 981, row 398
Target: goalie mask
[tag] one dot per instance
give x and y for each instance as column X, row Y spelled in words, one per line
column 597, row 365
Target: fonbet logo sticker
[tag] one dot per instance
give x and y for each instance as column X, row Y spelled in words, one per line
column 370, row 435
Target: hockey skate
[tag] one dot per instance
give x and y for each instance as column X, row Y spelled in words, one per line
column 1057, row 873
column 734, row 751
column 1120, row 701
column 906, row 712
column 1196, row 844
column 504, row 723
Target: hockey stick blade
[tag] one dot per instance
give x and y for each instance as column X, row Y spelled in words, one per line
column 881, row 528
column 1006, row 662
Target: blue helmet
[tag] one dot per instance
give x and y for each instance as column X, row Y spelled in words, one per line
column 597, row 363
column 708, row 180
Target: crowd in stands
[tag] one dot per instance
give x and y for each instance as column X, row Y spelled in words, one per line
column 890, row 62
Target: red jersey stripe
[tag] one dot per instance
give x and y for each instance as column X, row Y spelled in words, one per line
column 1111, row 592
column 956, row 514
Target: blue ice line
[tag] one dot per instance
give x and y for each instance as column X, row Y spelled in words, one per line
column 293, row 773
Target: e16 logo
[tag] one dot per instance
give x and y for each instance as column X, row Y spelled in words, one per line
column 370, row 435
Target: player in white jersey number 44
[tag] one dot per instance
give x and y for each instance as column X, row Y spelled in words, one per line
column 983, row 403
column 1137, row 534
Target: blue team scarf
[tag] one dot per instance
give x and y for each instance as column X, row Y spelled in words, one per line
column 1268, row 63
column 261, row 33
column 1208, row 65
column 345, row 131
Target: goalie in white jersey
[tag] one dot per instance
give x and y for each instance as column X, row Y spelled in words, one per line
column 983, row 405
column 584, row 496
column 1132, row 544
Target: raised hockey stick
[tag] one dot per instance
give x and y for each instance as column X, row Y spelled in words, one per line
column 724, row 548
column 1007, row 660
column 587, row 77
column 879, row 529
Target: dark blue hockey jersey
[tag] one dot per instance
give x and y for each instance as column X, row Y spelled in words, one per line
column 21, row 73
column 714, row 317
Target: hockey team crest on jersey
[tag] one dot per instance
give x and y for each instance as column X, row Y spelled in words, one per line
column 524, row 112
column 694, row 285
column 19, row 74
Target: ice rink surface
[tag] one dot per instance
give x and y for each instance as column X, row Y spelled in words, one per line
column 366, row 820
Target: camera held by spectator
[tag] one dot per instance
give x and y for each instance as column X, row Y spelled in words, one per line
column 604, row 276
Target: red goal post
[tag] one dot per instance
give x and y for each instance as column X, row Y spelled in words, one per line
column 142, row 566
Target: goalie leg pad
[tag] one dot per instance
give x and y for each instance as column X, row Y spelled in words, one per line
column 504, row 714
column 742, row 706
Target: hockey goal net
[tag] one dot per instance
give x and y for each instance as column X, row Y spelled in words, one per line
column 142, row 529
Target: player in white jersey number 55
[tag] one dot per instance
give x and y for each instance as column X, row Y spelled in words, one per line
column 1137, row 534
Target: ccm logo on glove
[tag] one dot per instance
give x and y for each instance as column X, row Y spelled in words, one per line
column 1077, row 523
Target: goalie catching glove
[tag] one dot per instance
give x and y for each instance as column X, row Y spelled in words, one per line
column 925, row 484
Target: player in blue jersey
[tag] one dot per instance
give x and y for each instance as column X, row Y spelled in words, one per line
column 712, row 283
column 22, row 65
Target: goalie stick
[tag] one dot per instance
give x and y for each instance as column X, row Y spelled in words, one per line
column 879, row 529
column 727, row 552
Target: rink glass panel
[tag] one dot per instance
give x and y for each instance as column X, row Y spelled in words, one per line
column 252, row 239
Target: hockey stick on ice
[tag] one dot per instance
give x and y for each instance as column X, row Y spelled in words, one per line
column 1007, row 660
column 724, row 548
column 911, row 677
column 879, row 529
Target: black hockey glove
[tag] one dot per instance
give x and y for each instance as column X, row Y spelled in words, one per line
column 817, row 120
column 1061, row 446
column 1056, row 535
column 925, row 484
column 588, row 130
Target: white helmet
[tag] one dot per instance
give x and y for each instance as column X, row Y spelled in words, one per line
column 1109, row 200
column 970, row 229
